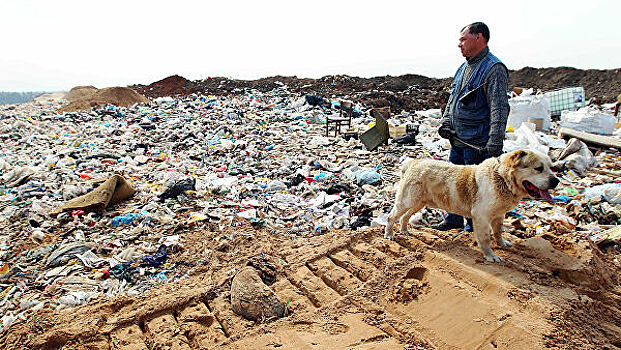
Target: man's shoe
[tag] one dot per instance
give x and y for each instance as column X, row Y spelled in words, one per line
column 445, row 226
column 469, row 228
column 407, row 139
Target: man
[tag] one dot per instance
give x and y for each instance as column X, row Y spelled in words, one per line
column 476, row 114
column 616, row 113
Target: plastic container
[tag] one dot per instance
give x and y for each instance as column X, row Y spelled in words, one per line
column 565, row 99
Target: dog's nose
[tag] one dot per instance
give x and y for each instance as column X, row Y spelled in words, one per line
column 554, row 181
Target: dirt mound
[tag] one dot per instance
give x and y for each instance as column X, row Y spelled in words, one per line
column 577, row 261
column 119, row 96
column 80, row 92
column 50, row 98
column 602, row 85
column 408, row 92
column 172, row 86
column 354, row 289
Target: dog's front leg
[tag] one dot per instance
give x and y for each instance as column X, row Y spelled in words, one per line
column 497, row 232
column 397, row 211
column 405, row 219
column 482, row 235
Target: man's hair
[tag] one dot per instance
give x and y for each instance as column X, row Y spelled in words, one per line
column 476, row 28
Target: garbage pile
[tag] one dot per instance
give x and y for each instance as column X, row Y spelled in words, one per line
column 90, row 201
column 93, row 203
column 408, row 92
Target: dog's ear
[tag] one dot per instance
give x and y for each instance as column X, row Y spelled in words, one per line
column 514, row 158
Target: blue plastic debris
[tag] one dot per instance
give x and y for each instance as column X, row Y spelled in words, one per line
column 156, row 259
column 123, row 271
column 564, row 199
column 125, row 219
column 515, row 214
column 367, row 176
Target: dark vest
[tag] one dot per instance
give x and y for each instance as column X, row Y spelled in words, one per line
column 469, row 111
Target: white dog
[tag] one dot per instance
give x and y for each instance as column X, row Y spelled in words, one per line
column 484, row 192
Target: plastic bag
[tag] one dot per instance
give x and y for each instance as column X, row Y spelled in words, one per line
column 588, row 119
column 528, row 106
column 610, row 192
column 576, row 156
column 525, row 138
column 367, row 176
column 74, row 299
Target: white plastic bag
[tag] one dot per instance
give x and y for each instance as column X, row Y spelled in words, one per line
column 430, row 113
column 588, row 119
column 611, row 192
column 576, row 156
column 525, row 138
column 528, row 106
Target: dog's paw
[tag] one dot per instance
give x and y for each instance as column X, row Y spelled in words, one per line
column 492, row 257
column 505, row 243
column 389, row 236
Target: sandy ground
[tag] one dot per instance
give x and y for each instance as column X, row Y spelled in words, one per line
column 356, row 290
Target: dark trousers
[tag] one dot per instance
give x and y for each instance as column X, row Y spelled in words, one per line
column 464, row 156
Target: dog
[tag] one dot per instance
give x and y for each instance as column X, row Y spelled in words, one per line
column 483, row 192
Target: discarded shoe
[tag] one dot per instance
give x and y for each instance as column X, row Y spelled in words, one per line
column 445, row 226
column 407, row 139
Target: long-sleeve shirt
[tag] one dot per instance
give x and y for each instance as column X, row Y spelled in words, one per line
column 495, row 87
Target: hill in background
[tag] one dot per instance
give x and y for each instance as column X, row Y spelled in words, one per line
column 7, row 97
column 408, row 92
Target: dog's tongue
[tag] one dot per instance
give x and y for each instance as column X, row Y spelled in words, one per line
column 542, row 193
column 545, row 195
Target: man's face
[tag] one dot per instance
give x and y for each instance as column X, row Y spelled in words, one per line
column 470, row 44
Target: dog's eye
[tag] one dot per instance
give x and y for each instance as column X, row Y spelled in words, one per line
column 539, row 168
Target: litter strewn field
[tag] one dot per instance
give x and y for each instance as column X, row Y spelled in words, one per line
column 124, row 228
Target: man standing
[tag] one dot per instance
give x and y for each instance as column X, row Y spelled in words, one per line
column 476, row 114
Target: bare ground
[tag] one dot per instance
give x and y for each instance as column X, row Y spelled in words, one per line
column 356, row 290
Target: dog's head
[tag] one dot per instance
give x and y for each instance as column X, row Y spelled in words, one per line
column 529, row 173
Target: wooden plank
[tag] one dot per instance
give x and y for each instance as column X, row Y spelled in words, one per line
column 591, row 139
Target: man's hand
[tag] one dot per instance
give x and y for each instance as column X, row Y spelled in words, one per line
column 494, row 150
column 446, row 131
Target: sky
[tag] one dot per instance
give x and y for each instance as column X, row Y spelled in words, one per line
column 56, row 45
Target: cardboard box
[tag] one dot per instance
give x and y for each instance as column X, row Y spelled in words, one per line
column 396, row 131
column 538, row 123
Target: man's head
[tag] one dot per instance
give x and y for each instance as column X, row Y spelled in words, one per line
column 473, row 38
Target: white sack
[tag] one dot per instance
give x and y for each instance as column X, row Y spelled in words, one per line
column 528, row 106
column 588, row 119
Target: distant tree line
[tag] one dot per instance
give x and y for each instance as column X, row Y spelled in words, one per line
column 7, row 97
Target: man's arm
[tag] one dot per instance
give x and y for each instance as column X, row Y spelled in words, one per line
column 497, row 82
column 445, row 113
column 446, row 129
